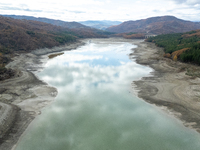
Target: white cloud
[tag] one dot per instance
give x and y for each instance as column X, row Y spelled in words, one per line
column 187, row 2
column 78, row 10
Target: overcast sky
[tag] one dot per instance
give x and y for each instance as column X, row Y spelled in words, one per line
column 121, row 10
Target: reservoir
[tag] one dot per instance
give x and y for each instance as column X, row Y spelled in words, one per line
column 97, row 107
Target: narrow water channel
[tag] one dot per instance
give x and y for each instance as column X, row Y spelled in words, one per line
column 96, row 109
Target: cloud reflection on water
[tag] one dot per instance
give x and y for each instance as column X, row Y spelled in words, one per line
column 87, row 76
column 94, row 109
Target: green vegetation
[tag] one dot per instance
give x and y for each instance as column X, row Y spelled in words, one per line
column 101, row 32
column 65, row 38
column 180, row 41
column 27, row 35
column 30, row 32
column 130, row 33
column 192, row 55
column 4, row 50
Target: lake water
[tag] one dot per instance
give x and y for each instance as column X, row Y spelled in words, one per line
column 96, row 108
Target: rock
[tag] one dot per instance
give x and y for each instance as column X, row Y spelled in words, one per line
column 6, row 96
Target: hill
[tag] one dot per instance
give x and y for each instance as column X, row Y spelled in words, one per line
column 100, row 24
column 181, row 46
column 71, row 25
column 80, row 30
column 26, row 35
column 16, row 34
column 156, row 25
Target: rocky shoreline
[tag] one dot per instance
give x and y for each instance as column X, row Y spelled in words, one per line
column 169, row 86
column 23, row 96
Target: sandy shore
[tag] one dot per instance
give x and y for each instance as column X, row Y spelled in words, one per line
column 23, row 96
column 169, row 86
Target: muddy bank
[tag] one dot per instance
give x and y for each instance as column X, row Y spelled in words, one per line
column 45, row 51
column 23, row 96
column 169, row 86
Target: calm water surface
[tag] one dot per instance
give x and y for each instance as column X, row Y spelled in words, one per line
column 95, row 109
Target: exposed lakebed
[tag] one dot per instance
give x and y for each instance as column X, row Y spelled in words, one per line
column 96, row 108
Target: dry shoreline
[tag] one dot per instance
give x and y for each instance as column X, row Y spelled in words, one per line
column 169, row 86
column 23, row 96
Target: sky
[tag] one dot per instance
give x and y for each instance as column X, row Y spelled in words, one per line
column 116, row 10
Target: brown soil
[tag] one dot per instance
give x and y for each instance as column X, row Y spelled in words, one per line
column 23, row 96
column 170, row 85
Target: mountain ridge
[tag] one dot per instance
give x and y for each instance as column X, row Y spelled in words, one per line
column 27, row 35
column 100, row 24
column 70, row 25
column 156, row 25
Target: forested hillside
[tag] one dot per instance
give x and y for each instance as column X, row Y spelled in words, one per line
column 71, row 25
column 16, row 35
column 182, row 46
column 26, row 35
column 78, row 29
column 130, row 35
column 156, row 25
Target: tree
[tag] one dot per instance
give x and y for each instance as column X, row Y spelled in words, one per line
column 175, row 58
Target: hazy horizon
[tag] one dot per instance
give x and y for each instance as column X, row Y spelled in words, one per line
column 96, row 20
column 117, row 10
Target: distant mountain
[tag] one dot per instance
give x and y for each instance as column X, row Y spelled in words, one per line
column 156, row 25
column 102, row 25
column 71, row 25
